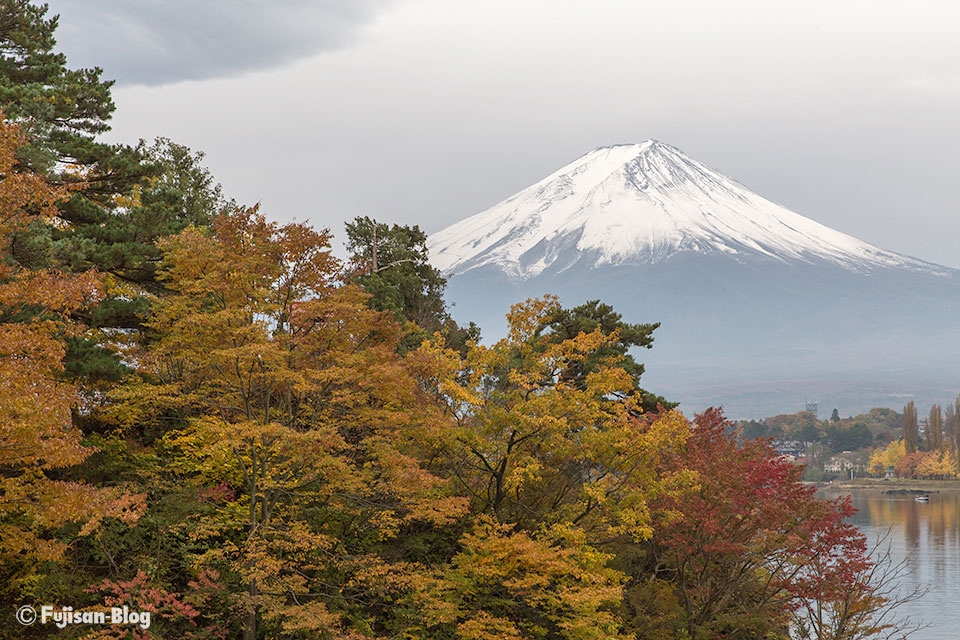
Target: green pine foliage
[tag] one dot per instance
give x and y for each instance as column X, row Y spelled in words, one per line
column 566, row 324
column 390, row 262
column 61, row 111
column 124, row 198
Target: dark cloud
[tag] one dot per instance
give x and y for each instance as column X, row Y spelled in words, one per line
column 162, row 41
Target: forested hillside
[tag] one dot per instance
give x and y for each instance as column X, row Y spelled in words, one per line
column 206, row 416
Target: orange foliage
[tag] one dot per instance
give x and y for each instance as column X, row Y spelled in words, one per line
column 906, row 466
column 36, row 432
column 296, row 402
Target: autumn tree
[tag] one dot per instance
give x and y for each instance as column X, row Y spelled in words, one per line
column 935, row 429
column 883, row 458
column 911, row 428
column 868, row 606
column 733, row 557
column 172, row 615
column 937, row 464
column 907, row 465
column 294, row 402
column 552, row 447
column 509, row 584
column 38, row 441
column 550, row 430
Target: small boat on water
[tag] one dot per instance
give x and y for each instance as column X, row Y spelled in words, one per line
column 922, row 498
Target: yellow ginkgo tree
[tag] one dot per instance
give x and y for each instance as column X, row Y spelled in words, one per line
column 883, row 458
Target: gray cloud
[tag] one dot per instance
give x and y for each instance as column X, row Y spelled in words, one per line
column 844, row 112
column 162, row 41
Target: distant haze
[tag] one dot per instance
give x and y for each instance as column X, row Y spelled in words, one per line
column 428, row 111
column 760, row 307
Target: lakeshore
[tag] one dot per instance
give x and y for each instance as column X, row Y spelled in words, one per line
column 902, row 485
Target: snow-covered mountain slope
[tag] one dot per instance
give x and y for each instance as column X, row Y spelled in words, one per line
column 757, row 304
column 640, row 204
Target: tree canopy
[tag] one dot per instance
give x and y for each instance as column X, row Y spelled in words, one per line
column 206, row 415
column 390, row 262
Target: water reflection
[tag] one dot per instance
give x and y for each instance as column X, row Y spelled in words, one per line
column 928, row 533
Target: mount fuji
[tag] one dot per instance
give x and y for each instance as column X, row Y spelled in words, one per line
column 759, row 306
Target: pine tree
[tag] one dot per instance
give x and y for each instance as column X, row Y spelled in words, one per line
column 61, row 111
column 391, row 264
column 566, row 324
column 122, row 198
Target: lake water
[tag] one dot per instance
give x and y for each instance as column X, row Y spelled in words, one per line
column 928, row 534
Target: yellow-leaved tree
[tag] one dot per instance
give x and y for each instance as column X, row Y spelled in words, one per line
column 536, row 447
column 506, row 584
column 889, row 456
column 938, row 465
column 554, row 465
column 296, row 415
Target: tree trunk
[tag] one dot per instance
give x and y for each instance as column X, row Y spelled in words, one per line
column 250, row 620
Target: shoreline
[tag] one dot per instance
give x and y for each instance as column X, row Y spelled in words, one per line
column 896, row 485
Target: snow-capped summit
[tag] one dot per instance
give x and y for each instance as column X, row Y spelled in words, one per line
column 758, row 306
column 635, row 204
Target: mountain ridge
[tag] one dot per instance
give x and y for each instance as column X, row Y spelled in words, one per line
column 642, row 203
column 744, row 289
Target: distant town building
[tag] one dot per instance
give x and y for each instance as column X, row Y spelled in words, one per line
column 856, row 461
column 793, row 449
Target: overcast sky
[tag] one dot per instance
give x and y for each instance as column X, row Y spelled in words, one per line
column 427, row 111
